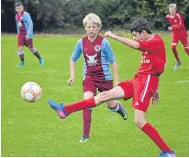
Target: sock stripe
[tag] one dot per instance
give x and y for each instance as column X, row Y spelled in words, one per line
column 20, row 52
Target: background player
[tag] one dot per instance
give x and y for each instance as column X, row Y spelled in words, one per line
column 178, row 32
column 97, row 54
column 141, row 88
column 25, row 33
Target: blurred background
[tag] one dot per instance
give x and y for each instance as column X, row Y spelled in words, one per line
column 65, row 16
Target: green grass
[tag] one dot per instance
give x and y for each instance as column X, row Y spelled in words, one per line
column 35, row 130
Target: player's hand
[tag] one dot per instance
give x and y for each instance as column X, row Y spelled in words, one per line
column 109, row 34
column 26, row 38
column 155, row 98
column 71, row 80
column 116, row 83
column 170, row 28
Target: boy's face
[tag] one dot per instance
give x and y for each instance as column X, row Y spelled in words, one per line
column 172, row 10
column 19, row 9
column 92, row 29
column 139, row 36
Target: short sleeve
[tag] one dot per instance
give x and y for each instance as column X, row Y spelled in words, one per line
column 77, row 51
column 106, row 48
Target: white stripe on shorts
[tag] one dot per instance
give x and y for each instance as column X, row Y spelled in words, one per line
column 145, row 88
column 174, row 44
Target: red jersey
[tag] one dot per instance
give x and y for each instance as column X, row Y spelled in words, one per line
column 177, row 24
column 153, row 56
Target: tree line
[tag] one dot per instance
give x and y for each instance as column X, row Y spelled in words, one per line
column 52, row 15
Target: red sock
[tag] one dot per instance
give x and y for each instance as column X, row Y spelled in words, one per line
column 83, row 104
column 154, row 135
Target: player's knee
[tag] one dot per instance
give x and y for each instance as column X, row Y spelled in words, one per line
column 103, row 96
column 173, row 47
column 33, row 49
column 20, row 48
column 139, row 122
column 186, row 50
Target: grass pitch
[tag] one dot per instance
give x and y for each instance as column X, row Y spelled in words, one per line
column 35, row 130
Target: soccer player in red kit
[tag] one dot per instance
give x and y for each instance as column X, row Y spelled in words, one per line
column 179, row 32
column 97, row 54
column 141, row 88
column 24, row 26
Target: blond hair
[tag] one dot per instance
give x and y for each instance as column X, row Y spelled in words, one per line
column 91, row 17
column 173, row 5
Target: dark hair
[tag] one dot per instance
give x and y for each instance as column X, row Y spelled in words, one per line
column 139, row 25
column 18, row 4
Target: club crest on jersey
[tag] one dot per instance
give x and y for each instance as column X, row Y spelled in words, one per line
column 91, row 60
column 175, row 21
column 97, row 48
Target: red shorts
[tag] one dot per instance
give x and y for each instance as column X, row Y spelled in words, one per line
column 141, row 89
column 94, row 85
column 184, row 41
column 23, row 42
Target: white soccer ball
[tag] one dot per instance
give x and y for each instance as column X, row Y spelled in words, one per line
column 31, row 92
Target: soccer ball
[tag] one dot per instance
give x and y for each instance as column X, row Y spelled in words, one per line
column 31, row 92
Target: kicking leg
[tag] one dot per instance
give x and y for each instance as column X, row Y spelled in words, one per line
column 63, row 111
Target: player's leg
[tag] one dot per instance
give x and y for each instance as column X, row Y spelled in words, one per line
column 20, row 39
column 175, row 41
column 63, row 111
column 29, row 44
column 87, row 117
column 89, row 90
column 113, row 105
column 143, row 90
column 185, row 43
column 152, row 133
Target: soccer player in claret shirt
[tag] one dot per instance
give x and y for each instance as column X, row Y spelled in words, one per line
column 97, row 54
column 179, row 32
column 142, row 88
column 25, row 33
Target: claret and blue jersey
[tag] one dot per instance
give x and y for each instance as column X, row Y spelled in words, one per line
column 97, row 56
column 24, row 24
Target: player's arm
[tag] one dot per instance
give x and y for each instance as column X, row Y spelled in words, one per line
column 170, row 27
column 126, row 41
column 155, row 97
column 115, row 72
column 72, row 72
column 111, row 58
column 28, row 20
column 75, row 55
